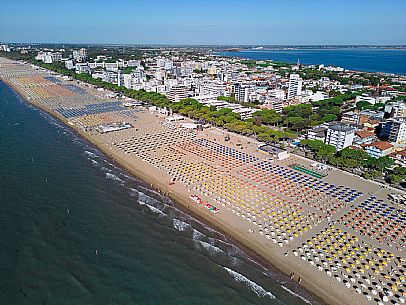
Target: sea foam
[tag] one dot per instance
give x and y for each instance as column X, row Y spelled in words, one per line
column 114, row 178
column 180, row 225
column 90, row 154
column 209, row 247
column 295, row 294
column 197, row 235
column 259, row 290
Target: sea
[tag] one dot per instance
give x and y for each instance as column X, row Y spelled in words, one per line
column 76, row 229
column 358, row 59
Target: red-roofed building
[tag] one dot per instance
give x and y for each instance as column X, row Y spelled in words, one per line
column 378, row 149
column 364, row 137
column 399, row 157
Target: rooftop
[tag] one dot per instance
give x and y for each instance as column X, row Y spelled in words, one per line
column 342, row 127
column 381, row 145
column 364, row 134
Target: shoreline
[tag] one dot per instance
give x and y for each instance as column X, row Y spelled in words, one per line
column 260, row 255
column 184, row 205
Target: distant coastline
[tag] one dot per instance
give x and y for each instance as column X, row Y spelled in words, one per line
column 320, row 47
column 371, row 60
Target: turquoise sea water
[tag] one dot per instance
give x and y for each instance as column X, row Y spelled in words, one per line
column 369, row 60
column 62, row 200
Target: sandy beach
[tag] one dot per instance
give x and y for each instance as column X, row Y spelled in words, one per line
column 336, row 234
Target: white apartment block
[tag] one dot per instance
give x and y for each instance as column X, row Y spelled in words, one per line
column 214, row 88
column 50, row 58
column 243, row 91
column 177, row 93
column 80, row 55
column 295, row 86
column 133, row 63
column 274, row 104
column 340, row 136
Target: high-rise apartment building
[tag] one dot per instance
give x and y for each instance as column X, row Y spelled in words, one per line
column 295, row 86
column 394, row 131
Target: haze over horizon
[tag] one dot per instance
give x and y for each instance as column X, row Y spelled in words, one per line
column 205, row 22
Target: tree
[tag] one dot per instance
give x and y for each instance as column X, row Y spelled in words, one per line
column 264, row 137
column 379, row 164
column 296, row 122
column 372, row 174
column 226, row 98
column 326, row 153
column 400, row 171
column 395, row 179
column 314, row 145
column 268, row 116
column 329, row 118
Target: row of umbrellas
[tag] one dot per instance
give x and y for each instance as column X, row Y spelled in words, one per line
column 370, row 270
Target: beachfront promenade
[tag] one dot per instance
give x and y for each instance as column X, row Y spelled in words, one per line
column 336, row 232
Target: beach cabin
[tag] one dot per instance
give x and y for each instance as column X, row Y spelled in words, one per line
column 276, row 152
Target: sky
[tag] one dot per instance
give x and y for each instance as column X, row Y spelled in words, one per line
column 215, row 22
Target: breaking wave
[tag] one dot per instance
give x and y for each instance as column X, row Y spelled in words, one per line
column 259, row 290
column 209, row 247
column 153, row 209
column 90, row 154
column 197, row 235
column 180, row 225
column 114, row 178
column 296, row 295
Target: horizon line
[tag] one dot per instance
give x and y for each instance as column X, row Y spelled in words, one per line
column 216, row 45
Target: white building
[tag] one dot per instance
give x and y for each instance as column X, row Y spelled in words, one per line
column 244, row 112
column 340, row 136
column 274, row 104
column 295, row 86
column 396, row 109
column 49, row 57
column 277, row 93
column 242, row 91
column 82, row 68
column 317, row 96
column 40, row 56
column 80, row 55
column 395, row 131
column 120, row 78
column 133, row 63
column 317, row 133
column 177, row 93
column 365, row 98
column 4, row 48
column 214, row 88
column 69, row 64
column 350, row 117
